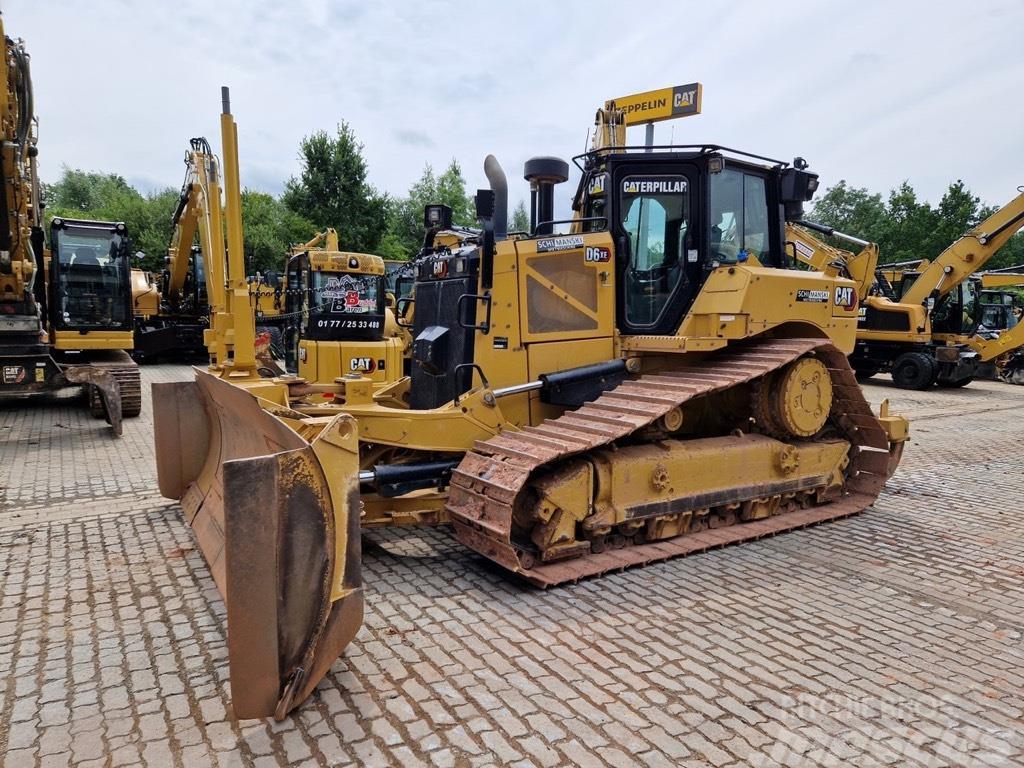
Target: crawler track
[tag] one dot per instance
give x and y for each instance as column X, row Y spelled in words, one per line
column 129, row 382
column 492, row 477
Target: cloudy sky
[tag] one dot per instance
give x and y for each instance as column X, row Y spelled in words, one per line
column 873, row 92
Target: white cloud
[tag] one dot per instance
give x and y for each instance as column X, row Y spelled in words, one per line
column 874, row 92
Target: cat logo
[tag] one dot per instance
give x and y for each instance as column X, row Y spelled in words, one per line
column 845, row 297
column 595, row 255
column 13, row 374
column 597, row 184
column 362, row 365
column 440, row 268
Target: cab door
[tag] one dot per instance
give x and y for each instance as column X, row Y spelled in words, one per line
column 654, row 222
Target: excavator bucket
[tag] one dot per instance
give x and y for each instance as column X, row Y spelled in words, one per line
column 277, row 519
column 106, row 386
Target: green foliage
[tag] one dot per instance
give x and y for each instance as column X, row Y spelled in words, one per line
column 270, row 228
column 332, row 190
column 906, row 228
column 108, row 197
column 405, row 215
column 520, row 219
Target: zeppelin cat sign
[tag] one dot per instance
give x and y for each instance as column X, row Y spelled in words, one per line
column 663, row 104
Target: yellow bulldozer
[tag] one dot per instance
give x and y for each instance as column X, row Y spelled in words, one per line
column 652, row 383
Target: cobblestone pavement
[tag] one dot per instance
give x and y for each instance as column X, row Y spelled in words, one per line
column 890, row 638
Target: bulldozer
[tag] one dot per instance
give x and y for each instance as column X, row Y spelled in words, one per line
column 65, row 307
column 652, row 383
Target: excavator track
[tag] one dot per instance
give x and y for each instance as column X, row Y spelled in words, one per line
column 493, row 478
column 129, row 382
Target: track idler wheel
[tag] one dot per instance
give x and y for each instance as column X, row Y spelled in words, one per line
column 795, row 401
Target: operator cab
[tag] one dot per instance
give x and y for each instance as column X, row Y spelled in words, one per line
column 90, row 276
column 956, row 313
column 340, row 297
column 675, row 216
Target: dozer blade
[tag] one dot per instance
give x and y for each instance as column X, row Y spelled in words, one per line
column 277, row 519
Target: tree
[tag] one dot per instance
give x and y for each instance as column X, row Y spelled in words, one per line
column 332, row 190
column 854, row 211
column 520, row 221
column 405, row 219
column 270, row 228
column 907, row 229
column 108, row 197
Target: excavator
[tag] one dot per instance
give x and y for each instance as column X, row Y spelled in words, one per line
column 656, row 382
column 170, row 316
column 65, row 310
column 919, row 324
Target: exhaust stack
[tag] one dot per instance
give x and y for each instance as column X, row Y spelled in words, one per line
column 544, row 173
column 499, row 185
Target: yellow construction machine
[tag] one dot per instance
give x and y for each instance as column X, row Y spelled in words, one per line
column 655, row 382
column 919, row 320
column 65, row 310
column 170, row 317
column 333, row 311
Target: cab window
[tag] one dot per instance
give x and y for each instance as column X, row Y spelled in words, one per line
column 739, row 216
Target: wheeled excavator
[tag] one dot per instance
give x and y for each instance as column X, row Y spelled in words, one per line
column 654, row 383
column 920, row 324
column 65, row 308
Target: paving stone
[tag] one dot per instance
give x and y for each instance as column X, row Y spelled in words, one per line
column 888, row 638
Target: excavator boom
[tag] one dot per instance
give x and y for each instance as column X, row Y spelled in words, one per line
column 968, row 254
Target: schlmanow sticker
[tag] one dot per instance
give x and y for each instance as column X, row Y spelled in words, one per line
column 654, row 185
column 568, row 243
column 812, row 296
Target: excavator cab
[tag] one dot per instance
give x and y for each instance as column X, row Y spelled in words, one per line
column 90, row 276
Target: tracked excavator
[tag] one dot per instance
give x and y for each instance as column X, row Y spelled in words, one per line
column 171, row 309
column 921, row 324
column 65, row 310
column 655, row 382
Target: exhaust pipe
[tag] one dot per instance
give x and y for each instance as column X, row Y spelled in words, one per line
column 499, row 185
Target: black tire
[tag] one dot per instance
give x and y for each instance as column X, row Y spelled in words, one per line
column 914, row 370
